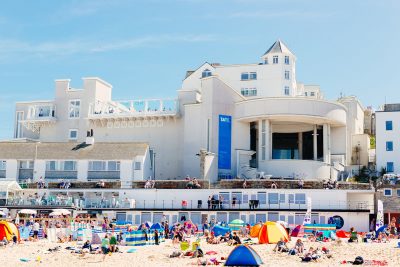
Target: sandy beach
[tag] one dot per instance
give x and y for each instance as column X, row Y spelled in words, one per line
column 158, row 255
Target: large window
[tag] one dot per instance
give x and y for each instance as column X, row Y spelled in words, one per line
column 262, row 197
column 273, row 198
column 67, row 165
column 389, row 166
column 206, row 73
column 389, row 125
column 387, row 192
column 249, row 91
column 74, row 108
column 275, row 59
column 246, row 76
column 98, row 165
column 3, row 165
column 389, row 146
column 300, row 199
column 26, row 164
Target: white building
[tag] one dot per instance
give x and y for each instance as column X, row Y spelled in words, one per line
column 252, row 120
column 387, row 138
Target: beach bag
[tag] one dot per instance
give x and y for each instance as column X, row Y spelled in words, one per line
column 358, row 260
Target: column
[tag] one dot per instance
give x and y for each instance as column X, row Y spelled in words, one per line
column 326, row 142
column 268, row 140
column 82, row 173
column 261, row 144
column 300, row 145
column 315, row 143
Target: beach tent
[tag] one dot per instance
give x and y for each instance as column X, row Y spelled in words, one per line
column 298, row 231
column 255, row 230
column 243, row 256
column 157, row 226
column 271, row 233
column 235, row 225
column 148, row 225
column 7, row 230
column 219, row 230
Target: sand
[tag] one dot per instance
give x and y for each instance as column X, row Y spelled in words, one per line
column 158, row 255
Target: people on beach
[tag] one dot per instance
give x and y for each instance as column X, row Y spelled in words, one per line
column 281, row 246
column 105, row 246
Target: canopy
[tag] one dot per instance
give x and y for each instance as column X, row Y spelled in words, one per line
column 27, row 211
column 235, row 225
column 243, row 256
column 255, row 230
column 271, row 233
column 8, row 186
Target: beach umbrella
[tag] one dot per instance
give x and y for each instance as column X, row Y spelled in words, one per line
column 235, row 225
column 27, row 211
column 62, row 211
column 55, row 213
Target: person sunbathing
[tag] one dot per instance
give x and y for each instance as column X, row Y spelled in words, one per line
column 235, row 240
column 281, row 246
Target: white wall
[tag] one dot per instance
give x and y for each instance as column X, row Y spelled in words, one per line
column 11, row 169
column 83, row 166
column 39, row 169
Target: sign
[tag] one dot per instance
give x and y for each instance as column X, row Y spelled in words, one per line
column 336, row 220
column 224, row 142
column 379, row 215
column 307, row 218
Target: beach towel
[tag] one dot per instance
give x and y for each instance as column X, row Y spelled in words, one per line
column 211, row 252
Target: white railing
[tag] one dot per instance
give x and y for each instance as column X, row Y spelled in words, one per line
column 134, row 107
column 41, row 112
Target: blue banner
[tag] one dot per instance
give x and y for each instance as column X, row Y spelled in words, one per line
column 224, row 142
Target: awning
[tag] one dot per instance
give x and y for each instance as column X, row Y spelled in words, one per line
column 8, row 186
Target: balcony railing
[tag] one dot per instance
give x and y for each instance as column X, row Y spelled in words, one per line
column 134, row 108
column 166, row 204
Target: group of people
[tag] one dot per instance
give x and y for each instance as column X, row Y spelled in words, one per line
column 192, row 183
column 149, row 184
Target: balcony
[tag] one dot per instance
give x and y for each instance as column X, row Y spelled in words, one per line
column 129, row 113
column 61, row 174
column 40, row 115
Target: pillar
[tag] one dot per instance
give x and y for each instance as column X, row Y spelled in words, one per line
column 315, row 143
column 264, row 136
column 326, row 141
column 300, row 145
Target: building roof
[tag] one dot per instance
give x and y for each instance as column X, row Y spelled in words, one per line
column 278, row 47
column 72, row 151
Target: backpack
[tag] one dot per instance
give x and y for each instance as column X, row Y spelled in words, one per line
column 358, row 260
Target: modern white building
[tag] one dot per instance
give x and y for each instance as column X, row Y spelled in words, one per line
column 252, row 120
column 387, row 138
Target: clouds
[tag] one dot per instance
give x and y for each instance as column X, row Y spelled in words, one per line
column 12, row 48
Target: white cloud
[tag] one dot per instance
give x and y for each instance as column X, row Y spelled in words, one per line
column 10, row 48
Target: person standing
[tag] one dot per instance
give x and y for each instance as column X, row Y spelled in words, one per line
column 36, row 227
column 156, row 237
column 105, row 246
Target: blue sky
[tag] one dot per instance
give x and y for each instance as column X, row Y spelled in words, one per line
column 143, row 48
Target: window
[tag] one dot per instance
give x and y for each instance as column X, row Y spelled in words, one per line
column 389, row 146
column 19, row 116
column 3, row 165
column 287, row 75
column 26, row 164
column 273, row 198
column 387, row 192
column 287, row 91
column 398, row 192
column 291, row 198
column 248, row 91
column 73, row 134
column 273, row 216
column 246, row 76
column 312, row 93
column 266, row 61
column 206, row 73
column 281, row 198
column 287, row 60
column 389, row 167
column 97, row 165
column 74, row 108
column 300, row 199
column 113, row 165
column 275, row 59
column 137, row 166
column 262, row 197
column 68, row 165
column 389, row 125
column 305, row 93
